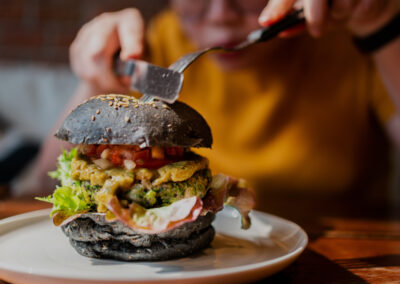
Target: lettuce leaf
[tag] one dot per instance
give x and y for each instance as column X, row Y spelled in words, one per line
column 70, row 200
column 72, row 197
column 63, row 172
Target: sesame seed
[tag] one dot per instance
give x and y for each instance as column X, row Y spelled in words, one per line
column 127, row 119
column 93, row 117
column 165, row 106
column 98, row 111
column 110, row 103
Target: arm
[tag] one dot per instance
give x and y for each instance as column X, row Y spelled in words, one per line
column 362, row 17
column 387, row 61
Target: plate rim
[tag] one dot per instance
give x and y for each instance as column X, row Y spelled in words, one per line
column 38, row 215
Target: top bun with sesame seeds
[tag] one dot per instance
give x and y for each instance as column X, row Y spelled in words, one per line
column 124, row 120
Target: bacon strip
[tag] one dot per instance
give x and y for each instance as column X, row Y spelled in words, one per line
column 157, row 220
column 61, row 219
column 230, row 191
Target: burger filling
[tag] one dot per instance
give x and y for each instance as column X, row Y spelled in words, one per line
column 150, row 189
column 147, row 187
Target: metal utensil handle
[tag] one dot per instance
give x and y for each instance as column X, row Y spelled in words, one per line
column 126, row 68
column 182, row 63
column 287, row 22
column 123, row 68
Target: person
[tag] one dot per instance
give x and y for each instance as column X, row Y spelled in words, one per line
column 298, row 114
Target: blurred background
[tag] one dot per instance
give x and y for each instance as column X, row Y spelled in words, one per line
column 35, row 78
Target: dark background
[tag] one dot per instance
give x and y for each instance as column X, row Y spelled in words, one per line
column 35, row 79
column 42, row 30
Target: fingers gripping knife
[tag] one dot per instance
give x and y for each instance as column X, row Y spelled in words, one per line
column 165, row 84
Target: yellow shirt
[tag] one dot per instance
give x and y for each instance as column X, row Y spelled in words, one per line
column 309, row 121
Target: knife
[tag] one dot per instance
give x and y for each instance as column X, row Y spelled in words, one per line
column 150, row 80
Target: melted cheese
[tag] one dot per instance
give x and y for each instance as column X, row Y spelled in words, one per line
column 179, row 171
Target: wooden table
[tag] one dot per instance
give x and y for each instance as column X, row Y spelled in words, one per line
column 350, row 242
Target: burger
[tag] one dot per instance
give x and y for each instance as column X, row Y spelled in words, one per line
column 132, row 188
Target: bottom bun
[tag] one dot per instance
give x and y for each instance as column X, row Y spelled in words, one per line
column 92, row 236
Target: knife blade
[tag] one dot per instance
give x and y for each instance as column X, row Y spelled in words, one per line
column 151, row 80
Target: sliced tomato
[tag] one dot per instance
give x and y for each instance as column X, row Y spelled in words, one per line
column 174, row 151
column 170, row 151
column 100, row 149
column 89, row 150
column 141, row 155
column 116, row 158
column 180, row 151
column 153, row 163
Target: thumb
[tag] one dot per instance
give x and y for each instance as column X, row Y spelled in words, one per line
column 274, row 11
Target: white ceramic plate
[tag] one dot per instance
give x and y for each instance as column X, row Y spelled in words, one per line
column 32, row 250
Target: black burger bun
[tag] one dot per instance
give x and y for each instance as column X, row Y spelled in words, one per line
column 123, row 120
column 92, row 236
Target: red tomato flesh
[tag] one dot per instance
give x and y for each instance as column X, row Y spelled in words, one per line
column 142, row 157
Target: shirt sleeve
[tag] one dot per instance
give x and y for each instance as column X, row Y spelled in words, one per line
column 381, row 102
column 154, row 48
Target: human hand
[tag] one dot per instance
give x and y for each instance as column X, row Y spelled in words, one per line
column 93, row 49
column 362, row 17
